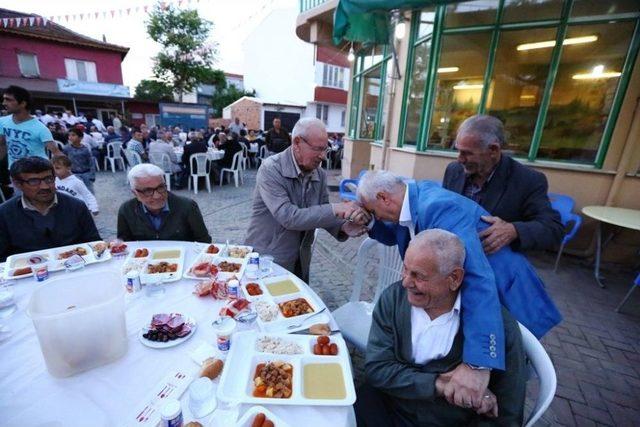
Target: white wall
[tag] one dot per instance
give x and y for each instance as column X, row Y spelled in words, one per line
column 278, row 65
column 334, row 121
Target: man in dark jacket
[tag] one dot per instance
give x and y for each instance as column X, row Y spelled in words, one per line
column 156, row 214
column 277, row 138
column 515, row 195
column 41, row 218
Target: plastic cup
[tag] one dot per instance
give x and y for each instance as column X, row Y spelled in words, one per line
column 154, row 289
column 41, row 271
column 266, row 262
column 223, row 329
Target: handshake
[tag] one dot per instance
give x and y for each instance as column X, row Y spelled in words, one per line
column 357, row 218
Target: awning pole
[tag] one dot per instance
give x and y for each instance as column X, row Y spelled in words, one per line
column 122, row 107
column 75, row 107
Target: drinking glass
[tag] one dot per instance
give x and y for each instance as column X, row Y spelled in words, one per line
column 155, row 288
column 266, row 261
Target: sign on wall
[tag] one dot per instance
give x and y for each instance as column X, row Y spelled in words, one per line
column 92, row 88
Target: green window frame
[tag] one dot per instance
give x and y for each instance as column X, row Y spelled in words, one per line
column 357, row 95
column 561, row 24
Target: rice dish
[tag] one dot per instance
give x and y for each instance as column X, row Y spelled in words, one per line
column 277, row 345
column 266, row 311
column 133, row 265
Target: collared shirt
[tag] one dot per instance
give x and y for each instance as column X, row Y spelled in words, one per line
column 432, row 339
column 156, row 220
column 27, row 205
column 405, row 219
column 305, row 177
column 476, row 192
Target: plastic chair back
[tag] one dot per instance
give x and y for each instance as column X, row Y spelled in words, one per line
column 564, row 205
column 389, row 268
column 133, row 158
column 199, row 164
column 545, row 372
column 235, row 162
column 161, row 160
column 113, row 150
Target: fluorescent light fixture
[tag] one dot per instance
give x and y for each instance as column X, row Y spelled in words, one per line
column 401, row 30
column 448, row 70
column 552, row 43
column 597, row 73
column 527, row 97
column 464, row 86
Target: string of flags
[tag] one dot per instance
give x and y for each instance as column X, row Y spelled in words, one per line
column 39, row 21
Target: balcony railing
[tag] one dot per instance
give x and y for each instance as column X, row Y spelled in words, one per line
column 310, row 4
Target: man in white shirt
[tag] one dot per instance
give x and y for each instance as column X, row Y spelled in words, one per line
column 236, row 127
column 165, row 146
column 415, row 343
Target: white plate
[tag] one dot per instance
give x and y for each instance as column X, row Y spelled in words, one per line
column 247, row 419
column 156, row 344
column 164, row 277
column 249, row 249
column 236, row 381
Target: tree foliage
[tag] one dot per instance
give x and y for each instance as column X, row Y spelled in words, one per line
column 153, row 90
column 186, row 57
column 225, row 96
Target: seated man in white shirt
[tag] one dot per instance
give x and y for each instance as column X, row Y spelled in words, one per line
column 416, row 340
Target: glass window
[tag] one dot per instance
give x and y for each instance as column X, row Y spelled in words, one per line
column 459, row 84
column 28, row 64
column 518, row 82
column 426, row 17
column 353, row 115
column 369, row 104
column 531, row 10
column 384, row 101
column 478, row 12
column 415, row 94
column 584, row 90
column 325, row 71
column 609, row 7
column 342, row 117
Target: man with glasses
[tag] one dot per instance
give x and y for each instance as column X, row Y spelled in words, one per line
column 41, row 218
column 157, row 214
column 291, row 200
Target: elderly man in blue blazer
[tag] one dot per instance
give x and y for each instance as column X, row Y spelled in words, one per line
column 402, row 209
column 515, row 195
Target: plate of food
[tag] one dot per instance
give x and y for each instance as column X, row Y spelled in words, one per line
column 167, row 330
column 155, row 264
column 261, row 417
column 281, row 369
column 238, row 251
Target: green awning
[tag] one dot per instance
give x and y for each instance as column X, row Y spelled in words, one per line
column 367, row 21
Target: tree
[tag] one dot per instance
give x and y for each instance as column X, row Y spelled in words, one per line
column 225, row 96
column 185, row 58
column 153, row 90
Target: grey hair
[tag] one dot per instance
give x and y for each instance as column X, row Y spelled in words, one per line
column 373, row 182
column 446, row 246
column 488, row 128
column 143, row 170
column 304, row 125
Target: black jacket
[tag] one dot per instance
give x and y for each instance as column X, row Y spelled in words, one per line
column 517, row 194
column 183, row 222
column 230, row 147
column 67, row 223
column 277, row 142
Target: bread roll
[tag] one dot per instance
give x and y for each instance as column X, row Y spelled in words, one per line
column 211, row 368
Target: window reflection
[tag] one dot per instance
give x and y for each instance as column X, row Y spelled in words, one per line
column 610, row 7
column 531, row 10
column 427, row 16
column 353, row 116
column 583, row 92
column 370, row 99
column 518, row 82
column 469, row 13
column 459, row 84
column 415, row 94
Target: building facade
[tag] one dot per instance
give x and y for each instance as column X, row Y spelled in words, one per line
column 62, row 69
column 562, row 75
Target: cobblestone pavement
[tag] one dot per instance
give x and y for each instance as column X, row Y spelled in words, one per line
column 596, row 352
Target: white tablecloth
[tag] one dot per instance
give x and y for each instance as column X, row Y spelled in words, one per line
column 212, row 154
column 108, row 395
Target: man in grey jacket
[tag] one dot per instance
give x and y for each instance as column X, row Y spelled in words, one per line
column 415, row 343
column 291, row 200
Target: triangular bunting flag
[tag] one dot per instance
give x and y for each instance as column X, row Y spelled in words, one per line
column 17, row 21
column 31, row 21
column 5, row 22
column 128, row 11
column 96, row 14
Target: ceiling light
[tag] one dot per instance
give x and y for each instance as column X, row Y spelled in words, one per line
column 597, row 73
column 464, row 86
column 527, row 97
column 448, row 70
column 351, row 56
column 552, row 43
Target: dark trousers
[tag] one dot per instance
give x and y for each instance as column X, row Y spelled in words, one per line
column 376, row 409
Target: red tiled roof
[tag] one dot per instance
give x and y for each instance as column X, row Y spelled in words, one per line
column 55, row 32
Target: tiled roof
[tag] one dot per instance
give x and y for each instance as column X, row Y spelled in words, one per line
column 55, row 32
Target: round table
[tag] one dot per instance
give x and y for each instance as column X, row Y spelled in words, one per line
column 109, row 394
column 621, row 217
column 212, row 154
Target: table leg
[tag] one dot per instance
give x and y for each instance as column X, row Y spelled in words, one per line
column 598, row 253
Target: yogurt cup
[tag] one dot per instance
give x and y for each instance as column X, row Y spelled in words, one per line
column 224, row 328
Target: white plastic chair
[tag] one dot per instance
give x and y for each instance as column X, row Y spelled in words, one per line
column 328, row 158
column 60, row 146
column 245, row 155
column 235, row 170
column 113, row 156
column 354, row 317
column 541, row 364
column 263, row 153
column 163, row 161
column 200, row 168
column 133, row 159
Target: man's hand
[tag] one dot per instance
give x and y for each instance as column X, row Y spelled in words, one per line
column 489, row 405
column 352, row 212
column 352, row 229
column 498, row 235
column 464, row 387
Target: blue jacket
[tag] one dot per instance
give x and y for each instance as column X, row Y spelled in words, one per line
column 516, row 284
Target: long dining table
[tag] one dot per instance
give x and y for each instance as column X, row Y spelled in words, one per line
column 111, row 394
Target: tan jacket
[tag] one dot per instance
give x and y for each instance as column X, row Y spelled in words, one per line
column 284, row 219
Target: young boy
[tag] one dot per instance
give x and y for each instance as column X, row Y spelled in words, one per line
column 81, row 158
column 69, row 183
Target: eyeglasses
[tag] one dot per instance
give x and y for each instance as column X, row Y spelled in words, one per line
column 314, row 148
column 148, row 192
column 34, row 182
